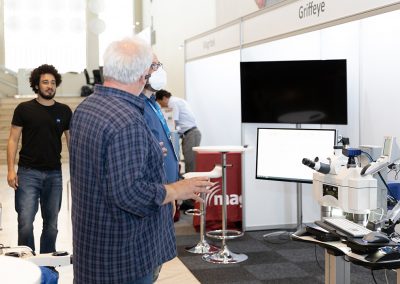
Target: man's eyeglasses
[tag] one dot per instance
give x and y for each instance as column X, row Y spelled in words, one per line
column 155, row 66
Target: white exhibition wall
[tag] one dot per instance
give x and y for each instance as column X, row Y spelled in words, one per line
column 213, row 92
column 213, row 88
column 379, row 77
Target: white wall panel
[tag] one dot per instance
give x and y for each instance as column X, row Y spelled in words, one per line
column 213, row 91
column 342, row 42
column 380, row 77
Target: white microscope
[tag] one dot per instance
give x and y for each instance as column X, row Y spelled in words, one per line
column 343, row 184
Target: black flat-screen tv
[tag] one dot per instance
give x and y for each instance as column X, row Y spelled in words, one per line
column 298, row 92
column 280, row 152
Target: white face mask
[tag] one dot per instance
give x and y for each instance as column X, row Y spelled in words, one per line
column 158, row 79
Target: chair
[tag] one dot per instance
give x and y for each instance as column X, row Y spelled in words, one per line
column 88, row 78
column 87, row 89
column 98, row 76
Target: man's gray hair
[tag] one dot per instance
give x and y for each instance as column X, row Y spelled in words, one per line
column 127, row 60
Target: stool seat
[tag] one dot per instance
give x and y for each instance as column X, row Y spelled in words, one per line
column 220, row 149
column 215, row 173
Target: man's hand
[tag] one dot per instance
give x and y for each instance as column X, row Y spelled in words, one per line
column 12, row 179
column 173, row 209
column 187, row 189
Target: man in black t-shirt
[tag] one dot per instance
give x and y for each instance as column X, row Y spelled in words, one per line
column 41, row 121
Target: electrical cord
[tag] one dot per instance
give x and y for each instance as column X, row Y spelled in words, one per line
column 386, row 185
column 367, row 154
column 373, row 276
column 283, row 237
column 396, row 172
column 394, row 168
column 316, row 258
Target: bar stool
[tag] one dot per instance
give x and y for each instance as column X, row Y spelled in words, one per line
column 224, row 255
column 202, row 246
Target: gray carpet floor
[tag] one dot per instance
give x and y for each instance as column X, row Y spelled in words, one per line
column 275, row 259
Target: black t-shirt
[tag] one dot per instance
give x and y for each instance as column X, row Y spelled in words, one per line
column 42, row 128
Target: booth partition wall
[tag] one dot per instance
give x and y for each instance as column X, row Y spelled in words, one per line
column 363, row 35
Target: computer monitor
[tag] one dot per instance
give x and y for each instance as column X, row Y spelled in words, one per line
column 280, row 152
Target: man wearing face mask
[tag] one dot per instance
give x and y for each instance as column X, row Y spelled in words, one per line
column 155, row 119
column 157, row 124
column 41, row 122
column 121, row 202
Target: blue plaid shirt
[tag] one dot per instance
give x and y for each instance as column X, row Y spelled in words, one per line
column 121, row 231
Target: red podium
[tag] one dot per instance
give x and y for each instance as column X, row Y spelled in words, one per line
column 205, row 161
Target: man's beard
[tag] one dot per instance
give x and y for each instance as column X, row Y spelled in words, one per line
column 45, row 96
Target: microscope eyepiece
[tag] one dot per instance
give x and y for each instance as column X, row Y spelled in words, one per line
column 308, row 163
column 318, row 166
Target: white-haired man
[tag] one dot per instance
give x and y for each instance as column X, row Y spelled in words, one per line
column 121, row 205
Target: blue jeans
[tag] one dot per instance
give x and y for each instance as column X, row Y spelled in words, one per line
column 147, row 279
column 36, row 186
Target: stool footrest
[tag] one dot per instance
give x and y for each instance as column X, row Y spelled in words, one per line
column 194, row 212
column 224, row 234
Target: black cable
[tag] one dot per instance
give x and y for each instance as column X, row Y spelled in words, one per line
column 386, row 185
column 373, row 276
column 369, row 156
column 279, row 236
column 316, row 258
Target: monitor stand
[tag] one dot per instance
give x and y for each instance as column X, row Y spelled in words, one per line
column 299, row 196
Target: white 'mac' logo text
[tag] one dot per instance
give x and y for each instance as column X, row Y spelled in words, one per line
column 216, row 199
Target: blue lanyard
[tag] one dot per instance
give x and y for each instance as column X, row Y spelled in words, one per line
column 157, row 110
column 160, row 116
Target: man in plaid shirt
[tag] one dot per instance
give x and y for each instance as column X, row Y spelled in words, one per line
column 121, row 207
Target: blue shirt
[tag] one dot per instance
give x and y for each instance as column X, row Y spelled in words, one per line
column 171, row 165
column 121, row 230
